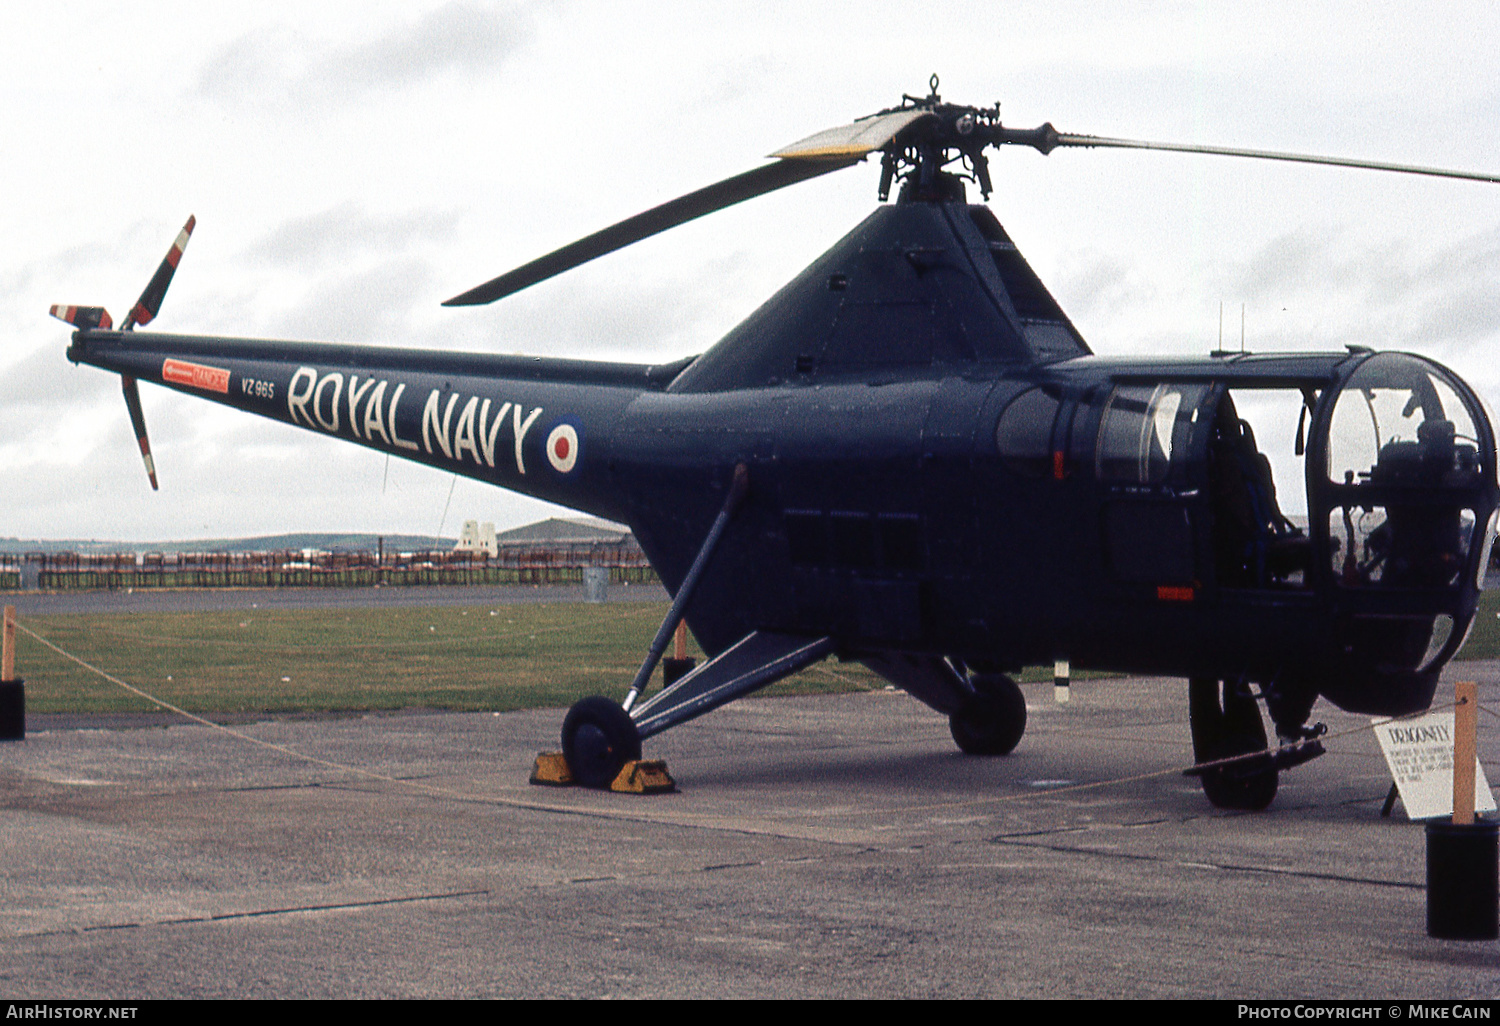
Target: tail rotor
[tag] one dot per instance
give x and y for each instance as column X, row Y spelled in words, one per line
column 96, row 318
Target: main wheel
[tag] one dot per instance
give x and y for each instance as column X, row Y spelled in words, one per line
column 993, row 720
column 1226, row 722
column 598, row 739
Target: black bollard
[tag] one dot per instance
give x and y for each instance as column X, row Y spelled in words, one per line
column 1463, row 880
column 12, row 710
column 673, row 670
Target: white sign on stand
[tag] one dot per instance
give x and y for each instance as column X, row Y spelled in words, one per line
column 1419, row 751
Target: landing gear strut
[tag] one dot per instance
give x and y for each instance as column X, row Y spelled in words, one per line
column 1225, row 722
column 993, row 719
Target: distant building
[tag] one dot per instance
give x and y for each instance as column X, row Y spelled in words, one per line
column 557, row 531
column 477, row 537
column 555, row 541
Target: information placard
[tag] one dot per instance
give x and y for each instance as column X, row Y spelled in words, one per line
column 1419, row 751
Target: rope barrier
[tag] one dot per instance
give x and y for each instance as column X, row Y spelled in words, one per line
column 428, row 789
column 680, row 815
column 1172, row 771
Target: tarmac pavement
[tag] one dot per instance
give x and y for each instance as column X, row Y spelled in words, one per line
column 834, row 846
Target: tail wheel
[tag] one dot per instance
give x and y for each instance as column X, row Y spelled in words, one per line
column 993, row 719
column 598, row 739
column 1225, row 722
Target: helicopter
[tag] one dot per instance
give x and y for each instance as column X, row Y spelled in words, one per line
column 909, row 457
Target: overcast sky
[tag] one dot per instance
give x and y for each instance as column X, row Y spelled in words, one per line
column 353, row 165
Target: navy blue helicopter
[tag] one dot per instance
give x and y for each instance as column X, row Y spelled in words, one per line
column 910, row 457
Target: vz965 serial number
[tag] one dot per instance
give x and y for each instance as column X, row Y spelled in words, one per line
column 259, row 389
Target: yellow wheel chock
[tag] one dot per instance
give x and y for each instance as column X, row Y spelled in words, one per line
column 638, row 776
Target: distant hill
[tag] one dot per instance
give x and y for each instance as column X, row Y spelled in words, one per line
column 265, row 543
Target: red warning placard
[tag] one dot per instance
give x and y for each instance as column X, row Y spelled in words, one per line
column 195, row 375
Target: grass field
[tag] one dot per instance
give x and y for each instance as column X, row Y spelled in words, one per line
column 1484, row 637
column 477, row 658
column 503, row 657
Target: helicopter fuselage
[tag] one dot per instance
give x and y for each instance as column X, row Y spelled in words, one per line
column 994, row 518
column 938, row 465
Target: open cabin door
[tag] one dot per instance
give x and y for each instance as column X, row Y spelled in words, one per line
column 1257, row 444
column 1205, row 485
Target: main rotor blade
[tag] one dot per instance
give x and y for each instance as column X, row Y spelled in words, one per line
column 658, row 219
column 1064, row 139
column 854, row 140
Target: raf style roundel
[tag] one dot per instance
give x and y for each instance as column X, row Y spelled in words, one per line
column 562, row 448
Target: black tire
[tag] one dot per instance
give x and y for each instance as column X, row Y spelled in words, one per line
column 598, row 739
column 1253, row 792
column 993, row 720
column 1226, row 722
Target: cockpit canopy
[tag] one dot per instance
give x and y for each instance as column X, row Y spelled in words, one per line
column 1400, row 421
column 1405, row 467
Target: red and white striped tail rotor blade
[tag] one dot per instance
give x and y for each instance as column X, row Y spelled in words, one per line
column 138, row 421
column 149, row 304
column 85, row 318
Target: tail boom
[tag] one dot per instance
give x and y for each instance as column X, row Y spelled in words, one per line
column 538, row 426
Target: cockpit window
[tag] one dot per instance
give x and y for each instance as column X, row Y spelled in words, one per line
column 1400, row 437
column 1399, row 422
column 1142, row 427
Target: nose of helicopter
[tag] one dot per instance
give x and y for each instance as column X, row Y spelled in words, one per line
column 1403, row 498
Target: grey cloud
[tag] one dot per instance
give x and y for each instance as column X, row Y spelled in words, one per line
column 1095, row 285
column 604, row 317
column 278, row 67
column 1292, row 262
column 73, row 274
column 371, row 305
column 1383, row 293
column 345, row 230
column 461, row 37
column 244, row 67
column 1460, row 318
column 1458, row 298
column 64, row 435
column 46, row 382
column 1319, row 287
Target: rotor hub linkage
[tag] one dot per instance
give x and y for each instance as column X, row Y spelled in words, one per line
column 919, row 156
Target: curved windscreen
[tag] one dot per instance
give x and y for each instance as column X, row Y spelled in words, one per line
column 1403, row 439
column 1399, row 421
column 1142, row 427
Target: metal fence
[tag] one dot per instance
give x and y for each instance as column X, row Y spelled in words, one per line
column 521, row 564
